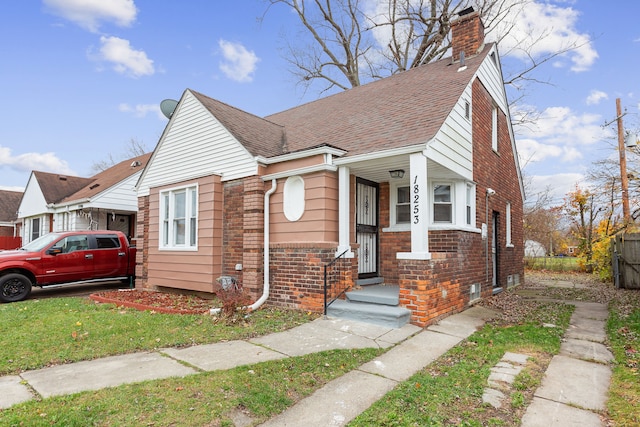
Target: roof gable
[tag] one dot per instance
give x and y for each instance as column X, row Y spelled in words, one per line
column 55, row 187
column 259, row 136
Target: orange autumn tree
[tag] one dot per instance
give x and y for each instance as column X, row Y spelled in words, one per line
column 581, row 209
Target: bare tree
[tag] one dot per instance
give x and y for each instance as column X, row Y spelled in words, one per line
column 355, row 41
column 133, row 148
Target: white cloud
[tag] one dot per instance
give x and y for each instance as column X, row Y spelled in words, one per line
column 596, row 96
column 125, row 59
column 558, row 134
column 46, row 162
column 89, row 14
column 558, row 185
column 141, row 110
column 537, row 29
column 239, row 63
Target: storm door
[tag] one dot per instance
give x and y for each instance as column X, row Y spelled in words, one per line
column 367, row 228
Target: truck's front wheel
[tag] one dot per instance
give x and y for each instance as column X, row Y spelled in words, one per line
column 14, row 287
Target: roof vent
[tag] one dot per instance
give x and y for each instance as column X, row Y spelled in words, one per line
column 135, row 163
column 62, row 177
column 91, row 187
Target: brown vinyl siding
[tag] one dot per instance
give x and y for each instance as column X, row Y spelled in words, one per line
column 192, row 270
column 319, row 222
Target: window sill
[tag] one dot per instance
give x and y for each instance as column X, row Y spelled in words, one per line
column 178, row 249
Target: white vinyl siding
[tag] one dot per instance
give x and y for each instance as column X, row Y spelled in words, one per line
column 452, row 146
column 194, row 145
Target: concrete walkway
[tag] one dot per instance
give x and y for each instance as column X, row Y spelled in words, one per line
column 574, row 388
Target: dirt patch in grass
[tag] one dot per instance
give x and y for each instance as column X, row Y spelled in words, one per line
column 161, row 302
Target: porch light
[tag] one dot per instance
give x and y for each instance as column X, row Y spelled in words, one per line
column 396, row 173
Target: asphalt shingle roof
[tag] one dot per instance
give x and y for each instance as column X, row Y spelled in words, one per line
column 56, row 187
column 259, row 136
column 109, row 177
column 9, row 204
column 402, row 110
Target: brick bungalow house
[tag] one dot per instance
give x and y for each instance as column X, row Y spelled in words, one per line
column 412, row 181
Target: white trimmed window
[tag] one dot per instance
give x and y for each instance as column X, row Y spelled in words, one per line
column 508, row 215
column 179, row 214
column 470, row 199
column 400, row 207
column 494, row 128
column 442, row 203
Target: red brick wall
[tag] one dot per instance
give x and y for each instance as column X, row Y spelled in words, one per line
column 297, row 274
column 232, row 235
column 142, row 243
column 467, row 34
column 497, row 170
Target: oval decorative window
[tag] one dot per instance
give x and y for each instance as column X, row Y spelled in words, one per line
column 294, row 198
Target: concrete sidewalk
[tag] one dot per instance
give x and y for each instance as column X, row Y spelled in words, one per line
column 574, row 388
column 322, row 334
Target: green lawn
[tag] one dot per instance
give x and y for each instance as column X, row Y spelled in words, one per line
column 38, row 333
column 558, row 264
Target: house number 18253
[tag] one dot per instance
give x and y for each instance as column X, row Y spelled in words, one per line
column 416, row 201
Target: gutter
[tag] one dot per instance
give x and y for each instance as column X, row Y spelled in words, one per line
column 265, row 291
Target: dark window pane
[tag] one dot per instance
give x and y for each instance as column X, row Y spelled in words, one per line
column 442, row 213
column 403, row 214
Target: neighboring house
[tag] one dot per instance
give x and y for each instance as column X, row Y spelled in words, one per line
column 534, row 249
column 9, row 224
column 413, row 179
column 54, row 202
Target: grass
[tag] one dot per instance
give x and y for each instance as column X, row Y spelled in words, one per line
column 449, row 391
column 556, row 264
column 38, row 333
column 255, row 392
column 623, row 330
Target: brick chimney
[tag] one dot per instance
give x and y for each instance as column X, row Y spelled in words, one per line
column 467, row 34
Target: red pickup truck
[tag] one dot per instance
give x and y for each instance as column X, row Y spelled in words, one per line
column 64, row 258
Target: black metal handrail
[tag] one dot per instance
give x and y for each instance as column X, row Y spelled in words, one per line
column 334, row 278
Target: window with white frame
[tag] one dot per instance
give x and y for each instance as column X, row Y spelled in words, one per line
column 442, row 203
column 469, row 204
column 403, row 205
column 494, row 128
column 179, row 213
column 508, row 220
column 35, row 228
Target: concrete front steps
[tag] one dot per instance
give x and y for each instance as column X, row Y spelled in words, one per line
column 373, row 302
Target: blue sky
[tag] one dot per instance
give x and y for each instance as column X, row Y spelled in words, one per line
column 80, row 79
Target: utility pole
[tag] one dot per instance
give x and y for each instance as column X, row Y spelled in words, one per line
column 624, row 179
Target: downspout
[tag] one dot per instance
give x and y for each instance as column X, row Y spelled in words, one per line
column 265, row 291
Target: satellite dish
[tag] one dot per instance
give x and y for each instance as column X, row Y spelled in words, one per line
column 168, row 106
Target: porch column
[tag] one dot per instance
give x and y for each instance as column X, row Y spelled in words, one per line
column 344, row 224
column 419, row 209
